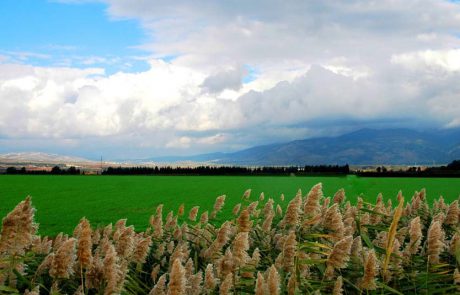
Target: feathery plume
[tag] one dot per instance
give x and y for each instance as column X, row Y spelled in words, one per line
column 94, row 274
column 226, row 264
column 155, row 272
column 41, row 246
column 435, row 241
column 273, row 281
column 267, row 224
column 292, row 285
column 194, row 287
column 35, row 291
column 359, row 203
column 262, row 196
column 181, row 209
column 392, row 232
column 246, row 194
column 260, row 285
column 252, row 207
column 333, row 222
column 193, row 213
column 338, row 290
column 442, row 205
column 59, row 240
column 223, row 235
column 454, row 245
column 124, row 246
column 325, row 205
column 279, row 211
column 339, row 196
column 370, row 271
column 189, row 269
column 390, row 205
column 18, row 229
column 244, row 222
column 268, row 207
column 220, row 200
column 227, row 285
column 156, row 221
column 255, row 259
column 210, row 281
column 177, row 281
column 312, row 207
column 111, row 271
column 141, row 248
column 160, row 286
column 85, row 244
column 64, row 259
column 96, row 236
column 357, row 249
column 291, row 218
column 378, row 210
column 452, row 214
column 289, row 252
column 440, row 217
column 415, row 234
column 240, row 246
column 339, row 256
column 204, row 218
column 236, row 209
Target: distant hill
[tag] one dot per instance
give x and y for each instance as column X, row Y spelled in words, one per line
column 362, row 147
column 38, row 157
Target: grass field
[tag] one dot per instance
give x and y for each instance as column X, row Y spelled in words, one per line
column 62, row 200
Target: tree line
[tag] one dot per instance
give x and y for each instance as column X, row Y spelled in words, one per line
column 450, row 170
column 56, row 170
column 228, row 170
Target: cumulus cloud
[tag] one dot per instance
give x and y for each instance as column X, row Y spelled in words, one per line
column 318, row 68
column 226, row 79
column 448, row 60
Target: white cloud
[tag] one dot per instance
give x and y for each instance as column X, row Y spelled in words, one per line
column 231, row 78
column 315, row 68
column 448, row 60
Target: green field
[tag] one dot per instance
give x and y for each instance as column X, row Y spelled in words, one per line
column 62, row 200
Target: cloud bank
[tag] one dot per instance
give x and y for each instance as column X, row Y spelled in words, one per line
column 228, row 75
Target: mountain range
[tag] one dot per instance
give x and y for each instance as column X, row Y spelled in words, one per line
column 40, row 157
column 362, row 147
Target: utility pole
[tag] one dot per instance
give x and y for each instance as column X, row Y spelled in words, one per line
column 101, row 165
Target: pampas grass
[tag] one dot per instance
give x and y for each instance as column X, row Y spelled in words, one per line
column 320, row 245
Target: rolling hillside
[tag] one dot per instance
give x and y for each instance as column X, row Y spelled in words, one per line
column 362, row 147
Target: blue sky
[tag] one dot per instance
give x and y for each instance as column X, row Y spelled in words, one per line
column 134, row 79
column 53, row 33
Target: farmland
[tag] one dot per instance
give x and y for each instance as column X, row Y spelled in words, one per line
column 61, row 201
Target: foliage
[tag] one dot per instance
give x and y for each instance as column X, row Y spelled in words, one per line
column 319, row 244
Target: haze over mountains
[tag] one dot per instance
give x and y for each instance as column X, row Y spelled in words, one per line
column 362, row 147
column 39, row 157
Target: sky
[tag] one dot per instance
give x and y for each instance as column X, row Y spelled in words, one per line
column 129, row 79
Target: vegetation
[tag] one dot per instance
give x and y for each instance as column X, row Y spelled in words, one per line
column 317, row 245
column 56, row 170
column 62, row 200
column 228, row 170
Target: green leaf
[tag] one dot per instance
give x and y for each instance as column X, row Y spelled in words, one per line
column 9, row 289
column 366, row 239
column 386, row 287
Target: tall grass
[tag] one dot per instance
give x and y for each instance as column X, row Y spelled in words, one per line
column 320, row 245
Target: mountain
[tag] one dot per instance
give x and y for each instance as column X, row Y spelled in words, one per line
column 37, row 157
column 362, row 147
